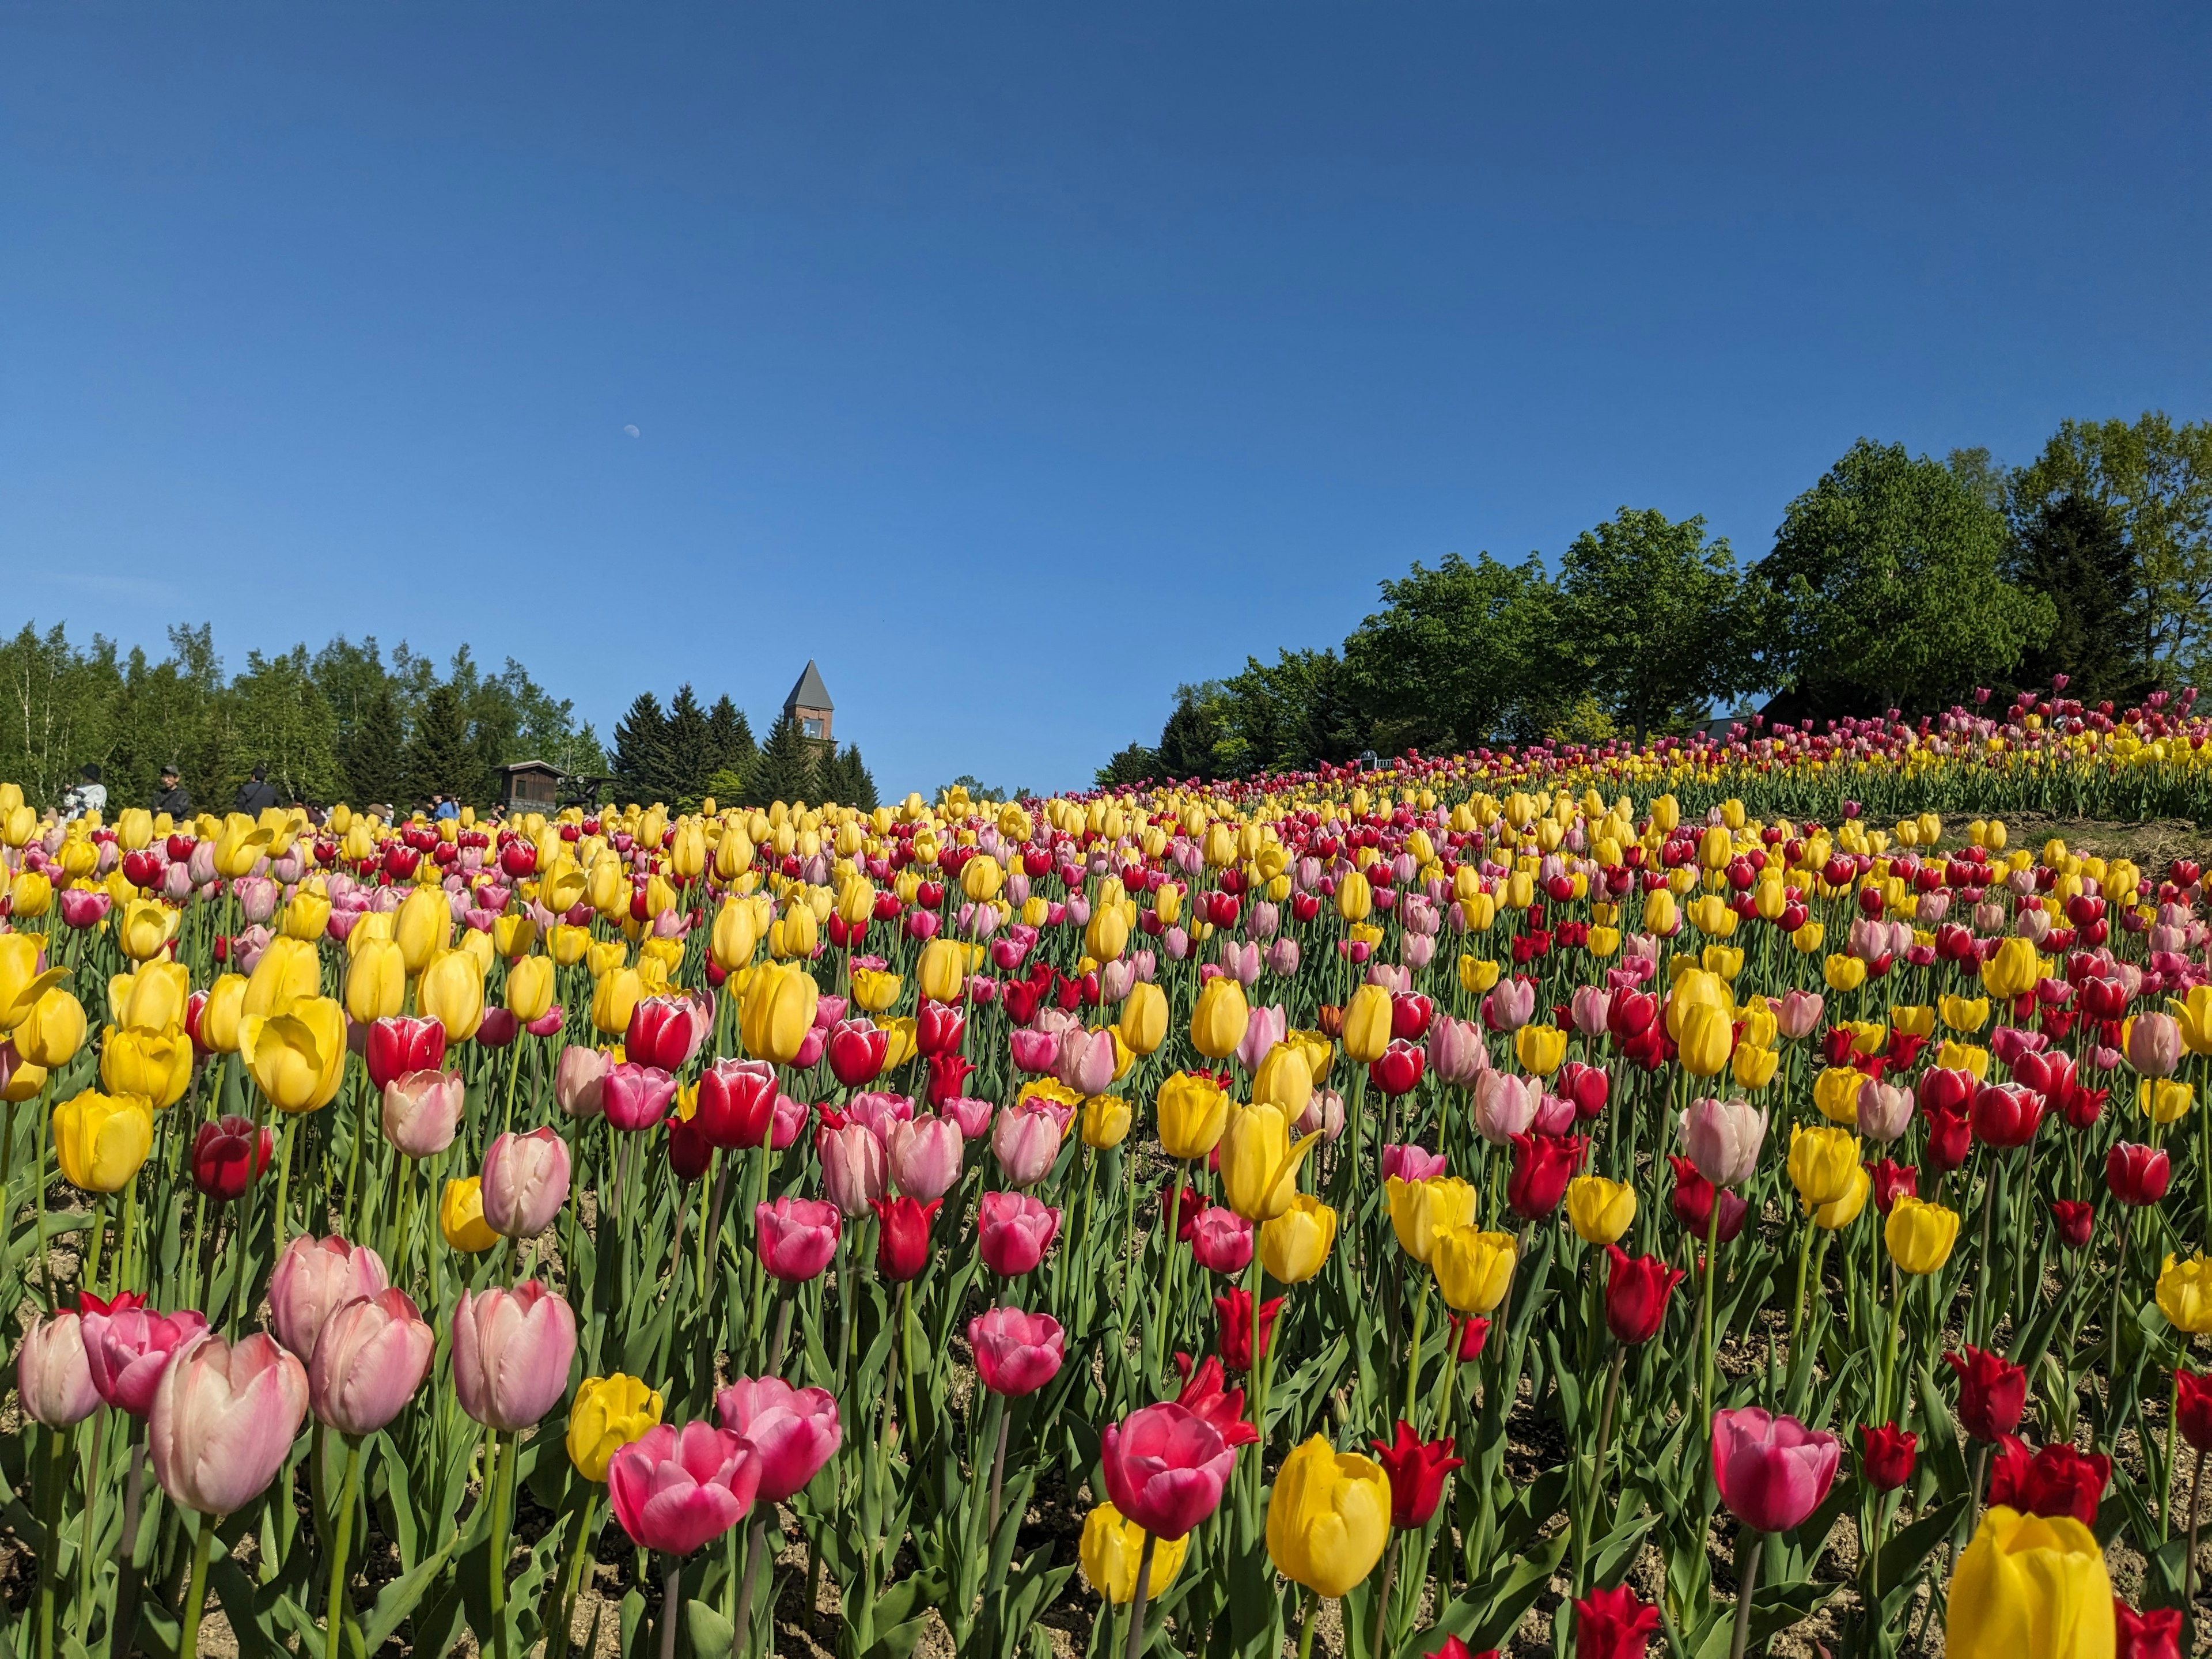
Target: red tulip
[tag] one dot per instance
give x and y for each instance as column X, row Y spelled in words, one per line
column 1165, row 1468
column 1613, row 1624
column 1637, row 1290
column 857, row 1049
column 2075, row 1219
column 230, row 1154
column 1220, row 1239
column 938, row 1028
column 1456, row 1649
column 737, row 1103
column 691, row 1154
column 1234, row 1337
column 663, row 1031
column 1473, row 1333
column 1588, row 1086
column 1203, row 1395
column 396, row 1047
column 1942, row 1089
column 1950, row 1137
column 1892, row 1180
column 1992, row 1393
column 2137, row 1175
column 2058, row 1480
column 2193, row 1410
column 1693, row 1199
column 1410, row 1015
column 1542, row 1166
column 903, row 1237
column 1397, row 1070
column 948, row 1075
column 2006, row 1114
column 2153, row 1635
column 1886, row 1455
column 1417, row 1469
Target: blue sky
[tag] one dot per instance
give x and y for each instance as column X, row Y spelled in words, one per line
column 1019, row 362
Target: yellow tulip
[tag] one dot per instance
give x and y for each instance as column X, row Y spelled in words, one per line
column 1821, row 1164
column 144, row 928
column 1284, row 1079
column 238, row 846
column 561, row 885
column 100, row 1141
column 570, row 945
column 1143, row 1024
column 1259, row 1164
column 21, row 982
column 422, row 926
column 1601, row 1210
column 1105, row 1121
column 1845, row 973
column 1367, row 1024
column 606, row 1414
column 874, row 990
column 451, row 992
column 530, row 988
column 2012, row 969
column 1963, row 1057
column 32, row 893
column 157, row 1065
column 941, row 970
column 2193, row 1013
column 1704, row 1038
column 1919, row 1234
column 153, row 999
column 1106, row 935
column 1328, row 1517
column 1540, row 1049
column 297, row 1057
column 306, row 916
column 1967, row 1014
column 461, row 1217
column 289, row 969
column 1840, row 1213
column 1420, row 1210
column 53, row 1030
column 1809, row 939
column 778, row 1013
column 2030, row 1587
column 1192, row 1111
column 224, row 1014
column 514, row 934
column 614, row 998
column 1112, row 1546
column 1295, row 1244
column 1474, row 1268
column 1320, row 1054
column 2166, row 1100
column 1217, row 1023
column 1660, row 914
column 1355, row 896
column 1753, row 1065
column 1477, row 974
column 1835, row 1093
column 1913, row 1020
column 376, row 981
column 2185, row 1294
column 735, row 935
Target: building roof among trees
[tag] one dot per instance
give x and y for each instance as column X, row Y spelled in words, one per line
column 810, row 692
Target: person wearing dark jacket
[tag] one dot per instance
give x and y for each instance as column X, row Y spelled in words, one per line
column 173, row 797
column 255, row 795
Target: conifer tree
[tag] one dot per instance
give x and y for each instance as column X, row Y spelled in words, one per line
column 785, row 769
column 373, row 755
column 690, row 744
column 641, row 757
column 440, row 759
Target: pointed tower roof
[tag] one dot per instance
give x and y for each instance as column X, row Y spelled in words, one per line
column 810, row 692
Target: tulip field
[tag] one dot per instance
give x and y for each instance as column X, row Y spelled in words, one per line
column 1694, row 1199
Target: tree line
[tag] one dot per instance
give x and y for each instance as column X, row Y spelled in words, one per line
column 684, row 753
column 1894, row 581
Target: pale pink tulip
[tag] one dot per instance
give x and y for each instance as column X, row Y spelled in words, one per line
column 423, row 1111
column 1026, row 1140
column 580, row 1080
column 314, row 1278
column 854, row 1172
column 53, row 1374
column 371, row 1357
column 1723, row 1139
column 510, row 1354
column 525, row 1183
column 925, row 1156
column 223, row 1420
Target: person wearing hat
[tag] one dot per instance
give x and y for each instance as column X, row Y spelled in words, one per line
column 173, row 797
column 255, row 796
column 88, row 796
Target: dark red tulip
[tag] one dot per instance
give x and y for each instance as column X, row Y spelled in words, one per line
column 2058, row 1480
column 737, row 1103
column 396, row 1047
column 1892, row 1180
column 2155, row 1634
column 1417, row 1469
column 1992, row 1393
column 231, row 1154
column 1633, row 1013
column 2137, row 1175
column 2006, row 1114
column 1203, row 1396
column 1886, row 1455
column 2192, row 1412
column 1234, row 1337
column 1693, row 1203
column 1456, row 1649
column 690, row 1152
column 857, row 1049
column 1542, row 1167
column 1636, row 1289
column 1588, row 1086
column 903, row 1237
column 1950, row 1138
column 1474, row 1332
column 948, row 1077
column 1397, row 1070
column 2075, row 1220
column 938, row 1028
column 1613, row 1624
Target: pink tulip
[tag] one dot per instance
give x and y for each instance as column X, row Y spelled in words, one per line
column 1723, row 1139
column 1323, row 1115
column 223, row 1420
column 925, row 1156
column 1283, row 957
column 1506, row 1105
column 423, row 1110
column 371, row 1357
column 1221, row 1240
column 314, row 1278
column 1589, row 1008
column 853, row 1167
column 1014, row 1232
column 2153, row 1044
column 1456, row 1052
column 795, row 1237
column 635, row 1096
column 1419, row 949
column 127, row 1349
column 972, row 1115
column 525, row 1183
column 787, row 1120
column 52, row 1373
column 1084, row 1060
column 1510, row 1005
column 1266, row 1028
column 674, row 1488
column 794, row 1431
column 1798, row 1013
column 580, row 1080
column 1772, row 1472
column 876, row 1110
column 1412, row 1163
column 1033, row 1050
column 1026, row 1140
column 511, row 1354
column 1240, row 961
column 1555, row 1116
column 1165, row 1468
column 1884, row 1110
column 1017, row 1352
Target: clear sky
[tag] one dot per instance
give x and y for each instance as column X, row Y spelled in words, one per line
column 1020, row 361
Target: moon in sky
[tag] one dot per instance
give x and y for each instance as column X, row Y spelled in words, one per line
column 631, row 430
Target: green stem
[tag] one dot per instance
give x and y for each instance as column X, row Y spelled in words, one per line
column 571, row 1577
column 341, row 1546
column 1712, row 1265
column 1413, row 1351
column 502, row 1516
column 188, row 1638
column 1306, row 1626
column 1137, row 1601
column 50, row 1548
column 1753, row 1546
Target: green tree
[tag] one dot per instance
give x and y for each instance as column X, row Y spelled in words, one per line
column 786, row 769
column 373, row 755
column 1458, row 655
column 441, row 758
column 689, row 741
column 845, row 778
column 1132, row 765
column 729, row 736
column 1285, row 716
column 2157, row 477
column 2075, row 552
column 1884, row 588
column 641, row 757
column 1653, row 618
column 1187, row 742
column 277, row 717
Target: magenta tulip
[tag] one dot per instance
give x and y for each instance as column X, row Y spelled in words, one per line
column 1015, row 1231
column 1221, row 1239
column 1016, row 1353
column 675, row 1488
column 52, row 1373
column 128, row 1348
column 796, row 1238
column 1772, row 1472
column 371, row 1357
column 314, row 1278
column 635, row 1096
column 525, row 1183
column 223, row 1420
column 794, row 1431
column 1165, row 1468
column 511, row 1354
